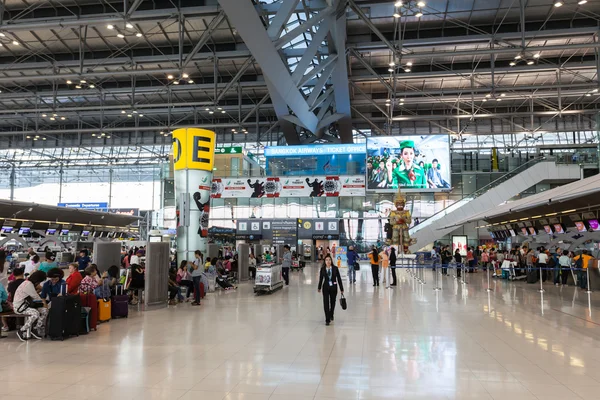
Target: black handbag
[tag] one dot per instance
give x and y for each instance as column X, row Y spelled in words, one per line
column 356, row 266
column 343, row 303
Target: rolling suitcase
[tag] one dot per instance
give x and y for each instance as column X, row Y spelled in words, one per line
column 64, row 317
column 104, row 310
column 532, row 275
column 85, row 320
column 120, row 304
column 90, row 300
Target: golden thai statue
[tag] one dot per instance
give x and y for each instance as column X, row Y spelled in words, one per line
column 400, row 220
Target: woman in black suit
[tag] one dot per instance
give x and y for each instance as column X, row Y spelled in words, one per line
column 329, row 280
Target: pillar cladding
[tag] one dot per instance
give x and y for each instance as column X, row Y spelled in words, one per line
column 193, row 158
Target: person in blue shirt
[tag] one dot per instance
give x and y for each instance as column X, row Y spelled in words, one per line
column 351, row 258
column 54, row 286
column 84, row 260
column 48, row 263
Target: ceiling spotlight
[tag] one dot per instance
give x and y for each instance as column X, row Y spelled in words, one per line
column 536, row 55
column 233, row 130
column 35, row 138
column 390, row 69
column 2, row 34
column 69, row 82
column 77, row 86
column 421, row 4
column 93, row 135
column 108, row 136
column 128, row 26
column 185, row 76
column 28, row 137
column 409, row 64
column 63, row 118
column 398, row 4
column 406, row 69
column 15, row 42
column 396, row 15
column 120, row 35
column 92, row 86
column 488, row 95
column 169, row 76
column 484, row 100
column 530, row 62
column 211, row 112
column 141, row 115
column 55, row 115
column 82, row 81
column 43, row 138
column 512, row 63
column 123, row 112
column 190, row 81
column 207, row 109
column 503, row 95
column 52, row 118
column 176, row 83
column 223, row 112
column 518, row 57
column 110, row 27
column 594, row 90
column 558, row 4
column 129, row 115
column 588, row 94
column 419, row 14
column 388, row 100
column 219, row 108
column 44, row 115
column 139, row 34
column 582, row 2
column 135, row 112
column 498, row 99
column 392, row 64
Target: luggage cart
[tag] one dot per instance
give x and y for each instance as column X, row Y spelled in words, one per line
column 268, row 278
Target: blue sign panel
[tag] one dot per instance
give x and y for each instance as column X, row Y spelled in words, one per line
column 315, row 150
column 86, row 206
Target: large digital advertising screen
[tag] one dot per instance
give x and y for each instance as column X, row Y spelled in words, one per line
column 408, row 162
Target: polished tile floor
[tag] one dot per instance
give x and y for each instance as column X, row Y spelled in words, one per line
column 409, row 342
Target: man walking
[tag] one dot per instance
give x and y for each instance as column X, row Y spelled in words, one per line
column 351, row 258
column 329, row 280
column 286, row 264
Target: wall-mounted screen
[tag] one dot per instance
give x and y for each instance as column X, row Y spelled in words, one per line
column 50, row 232
column 24, row 231
column 85, row 233
column 558, row 228
column 580, row 226
column 524, row 232
column 548, row 229
column 532, row 231
column 459, row 242
column 64, row 232
column 408, row 162
column 7, row 229
column 512, row 232
column 593, row 223
column 554, row 220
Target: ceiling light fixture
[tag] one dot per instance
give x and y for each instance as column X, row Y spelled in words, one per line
column 83, row 84
column 512, row 63
column 409, row 64
column 536, row 55
column 398, row 4
column 409, row 8
column 530, row 62
column 125, row 30
column 111, row 27
column 128, row 26
column 582, row 2
column 396, row 15
column 120, row 35
column 558, row 4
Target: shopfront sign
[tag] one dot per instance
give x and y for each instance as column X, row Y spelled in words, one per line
column 296, row 186
column 229, row 150
column 313, row 150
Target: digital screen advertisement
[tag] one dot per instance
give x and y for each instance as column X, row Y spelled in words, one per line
column 408, row 162
column 459, row 242
column 593, row 224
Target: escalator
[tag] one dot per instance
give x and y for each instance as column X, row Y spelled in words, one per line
column 491, row 196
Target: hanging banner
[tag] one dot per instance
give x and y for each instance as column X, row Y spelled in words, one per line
column 298, row 186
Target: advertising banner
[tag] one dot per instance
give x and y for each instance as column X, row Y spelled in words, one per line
column 300, row 186
column 459, row 242
column 408, row 162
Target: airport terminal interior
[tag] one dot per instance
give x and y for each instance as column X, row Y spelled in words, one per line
column 300, row 199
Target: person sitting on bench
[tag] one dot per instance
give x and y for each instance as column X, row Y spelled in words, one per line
column 54, row 286
column 25, row 303
column 222, row 279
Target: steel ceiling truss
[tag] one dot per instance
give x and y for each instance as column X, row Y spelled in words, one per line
column 311, row 93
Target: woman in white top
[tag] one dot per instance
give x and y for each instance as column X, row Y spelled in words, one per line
column 28, row 291
column 252, row 266
column 32, row 264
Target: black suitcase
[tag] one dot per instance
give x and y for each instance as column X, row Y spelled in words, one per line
column 532, row 275
column 64, row 317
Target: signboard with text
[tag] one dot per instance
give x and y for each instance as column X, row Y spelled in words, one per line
column 85, row 206
column 297, row 186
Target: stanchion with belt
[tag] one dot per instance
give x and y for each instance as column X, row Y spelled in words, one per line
column 541, row 280
column 587, row 271
column 436, row 275
column 489, row 289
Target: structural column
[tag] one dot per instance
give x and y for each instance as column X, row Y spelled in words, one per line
column 193, row 157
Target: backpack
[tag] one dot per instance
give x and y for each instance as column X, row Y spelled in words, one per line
column 103, row 292
column 579, row 262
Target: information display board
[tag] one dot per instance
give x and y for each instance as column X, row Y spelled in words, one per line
column 284, row 232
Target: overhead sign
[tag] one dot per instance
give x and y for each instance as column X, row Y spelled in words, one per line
column 297, row 186
column 85, row 206
column 229, row 150
column 314, row 150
